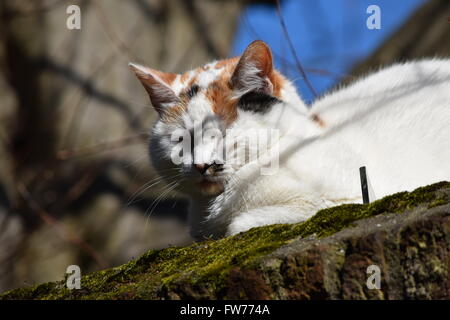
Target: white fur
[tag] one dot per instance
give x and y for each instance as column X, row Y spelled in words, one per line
column 396, row 122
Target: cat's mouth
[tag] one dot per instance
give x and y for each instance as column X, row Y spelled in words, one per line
column 211, row 188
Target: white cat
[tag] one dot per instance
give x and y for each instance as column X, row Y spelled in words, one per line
column 395, row 122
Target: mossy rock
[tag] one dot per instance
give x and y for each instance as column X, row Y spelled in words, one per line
column 299, row 261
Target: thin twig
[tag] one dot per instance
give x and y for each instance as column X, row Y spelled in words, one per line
column 63, row 231
column 81, row 105
column 202, row 28
column 102, row 147
column 38, row 8
column 80, row 187
column 249, row 27
column 291, row 46
column 112, row 35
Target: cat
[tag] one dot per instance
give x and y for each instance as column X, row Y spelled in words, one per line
column 395, row 122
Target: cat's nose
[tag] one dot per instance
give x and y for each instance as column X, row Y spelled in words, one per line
column 205, row 168
column 202, row 167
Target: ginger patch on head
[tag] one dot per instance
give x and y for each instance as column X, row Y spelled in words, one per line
column 215, row 82
column 223, row 83
column 220, row 94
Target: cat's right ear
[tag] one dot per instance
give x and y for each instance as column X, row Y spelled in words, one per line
column 157, row 85
column 254, row 69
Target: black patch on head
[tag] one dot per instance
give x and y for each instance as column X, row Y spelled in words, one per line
column 257, row 102
column 193, row 91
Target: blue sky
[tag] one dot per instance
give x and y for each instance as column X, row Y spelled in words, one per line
column 329, row 35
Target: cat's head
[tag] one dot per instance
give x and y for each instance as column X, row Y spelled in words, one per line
column 233, row 94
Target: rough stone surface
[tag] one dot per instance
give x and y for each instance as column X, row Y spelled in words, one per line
column 407, row 235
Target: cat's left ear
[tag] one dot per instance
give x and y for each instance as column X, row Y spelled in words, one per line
column 157, row 85
column 254, row 69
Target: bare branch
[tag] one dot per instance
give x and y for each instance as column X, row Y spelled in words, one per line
column 291, row 46
column 65, row 233
column 102, row 147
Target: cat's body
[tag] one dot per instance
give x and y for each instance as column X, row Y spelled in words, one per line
column 376, row 122
column 395, row 122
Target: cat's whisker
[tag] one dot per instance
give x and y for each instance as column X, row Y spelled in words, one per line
column 147, row 186
column 143, row 188
column 158, row 199
column 134, row 162
column 169, row 189
column 238, row 180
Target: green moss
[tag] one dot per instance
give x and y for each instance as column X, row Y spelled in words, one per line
column 209, row 262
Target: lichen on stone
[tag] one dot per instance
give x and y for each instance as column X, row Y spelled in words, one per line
column 206, row 265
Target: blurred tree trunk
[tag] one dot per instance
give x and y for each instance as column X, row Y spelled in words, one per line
column 425, row 34
column 33, row 129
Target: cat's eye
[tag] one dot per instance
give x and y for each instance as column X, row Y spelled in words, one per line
column 176, row 139
column 193, row 91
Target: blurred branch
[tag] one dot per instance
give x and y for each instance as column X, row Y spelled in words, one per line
column 23, row 12
column 65, row 233
column 156, row 13
column 201, row 28
column 90, row 89
column 102, row 147
column 79, row 187
column 294, row 53
column 81, row 105
column 112, row 35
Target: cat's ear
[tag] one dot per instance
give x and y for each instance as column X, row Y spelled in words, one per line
column 157, row 84
column 254, row 69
